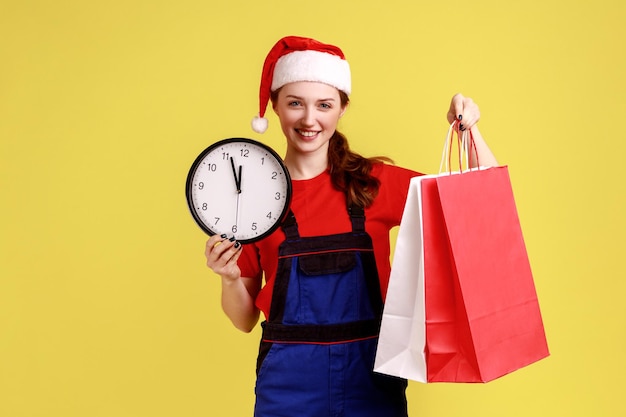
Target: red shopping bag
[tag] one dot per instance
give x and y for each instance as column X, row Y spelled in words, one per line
column 481, row 309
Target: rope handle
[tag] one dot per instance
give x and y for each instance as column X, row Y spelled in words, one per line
column 465, row 143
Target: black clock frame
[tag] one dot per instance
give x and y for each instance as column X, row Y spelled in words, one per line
column 198, row 161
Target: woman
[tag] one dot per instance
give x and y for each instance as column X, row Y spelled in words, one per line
column 327, row 267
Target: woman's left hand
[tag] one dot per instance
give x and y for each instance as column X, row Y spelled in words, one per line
column 467, row 113
column 464, row 110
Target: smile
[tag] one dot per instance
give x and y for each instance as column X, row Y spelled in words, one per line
column 307, row 133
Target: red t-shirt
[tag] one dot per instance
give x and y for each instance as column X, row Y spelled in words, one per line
column 320, row 210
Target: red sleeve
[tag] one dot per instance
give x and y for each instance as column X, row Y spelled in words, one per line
column 394, row 187
column 249, row 263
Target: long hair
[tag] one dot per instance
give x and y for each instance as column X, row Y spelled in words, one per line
column 350, row 172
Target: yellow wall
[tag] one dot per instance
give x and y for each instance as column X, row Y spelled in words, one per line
column 106, row 306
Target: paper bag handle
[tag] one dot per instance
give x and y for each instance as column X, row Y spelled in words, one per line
column 465, row 142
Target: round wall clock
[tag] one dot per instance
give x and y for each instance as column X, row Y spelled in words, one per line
column 238, row 187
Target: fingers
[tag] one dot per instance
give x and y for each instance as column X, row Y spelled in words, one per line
column 465, row 110
column 456, row 108
column 219, row 249
column 452, row 113
column 222, row 255
column 237, row 253
column 470, row 113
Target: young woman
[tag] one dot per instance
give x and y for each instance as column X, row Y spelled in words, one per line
column 326, row 269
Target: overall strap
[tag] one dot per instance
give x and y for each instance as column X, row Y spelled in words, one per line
column 290, row 226
column 357, row 217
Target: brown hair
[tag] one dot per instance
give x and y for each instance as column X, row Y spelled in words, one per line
column 349, row 171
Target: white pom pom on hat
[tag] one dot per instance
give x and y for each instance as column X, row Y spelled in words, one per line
column 294, row 59
column 259, row 124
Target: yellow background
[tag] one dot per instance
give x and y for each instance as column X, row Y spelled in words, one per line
column 106, row 306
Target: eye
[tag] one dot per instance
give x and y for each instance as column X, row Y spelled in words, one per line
column 293, row 103
column 326, row 106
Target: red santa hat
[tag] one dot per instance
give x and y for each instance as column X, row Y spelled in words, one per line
column 293, row 59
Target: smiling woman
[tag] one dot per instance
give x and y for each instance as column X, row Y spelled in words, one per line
column 327, row 268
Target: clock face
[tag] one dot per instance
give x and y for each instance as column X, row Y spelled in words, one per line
column 238, row 187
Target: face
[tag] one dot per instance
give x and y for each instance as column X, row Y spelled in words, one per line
column 308, row 113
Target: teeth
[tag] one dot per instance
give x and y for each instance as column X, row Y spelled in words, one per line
column 307, row 133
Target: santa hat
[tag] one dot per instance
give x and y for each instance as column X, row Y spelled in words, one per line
column 295, row 59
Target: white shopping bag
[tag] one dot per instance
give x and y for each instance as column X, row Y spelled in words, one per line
column 402, row 337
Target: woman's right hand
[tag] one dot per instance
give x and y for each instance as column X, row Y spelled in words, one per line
column 222, row 255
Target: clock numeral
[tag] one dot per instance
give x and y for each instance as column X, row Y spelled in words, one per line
column 201, row 185
column 263, row 160
column 277, row 196
column 274, row 175
column 269, row 215
column 217, row 219
column 234, row 229
column 205, row 206
column 253, row 227
column 245, row 152
column 225, row 155
column 212, row 167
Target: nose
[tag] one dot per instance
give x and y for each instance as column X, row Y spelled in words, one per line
column 308, row 118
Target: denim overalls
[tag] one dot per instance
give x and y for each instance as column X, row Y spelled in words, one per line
column 317, row 351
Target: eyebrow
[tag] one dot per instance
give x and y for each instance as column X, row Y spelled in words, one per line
column 301, row 98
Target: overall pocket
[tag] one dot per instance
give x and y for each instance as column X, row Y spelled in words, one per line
column 326, row 289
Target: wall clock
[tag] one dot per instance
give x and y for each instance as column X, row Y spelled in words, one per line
column 238, row 187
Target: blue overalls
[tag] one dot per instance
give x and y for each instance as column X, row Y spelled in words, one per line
column 319, row 341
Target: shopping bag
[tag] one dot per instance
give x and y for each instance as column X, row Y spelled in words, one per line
column 496, row 325
column 402, row 338
column 461, row 304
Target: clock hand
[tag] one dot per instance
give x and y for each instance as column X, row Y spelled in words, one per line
column 238, row 197
column 237, row 213
column 237, row 184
